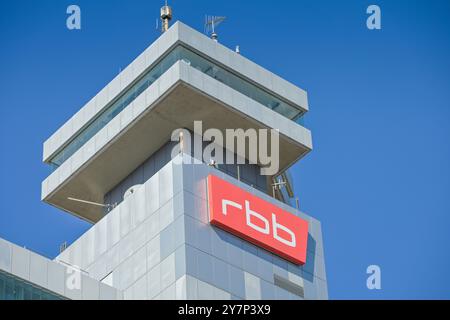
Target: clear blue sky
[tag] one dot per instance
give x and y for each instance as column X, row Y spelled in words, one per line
column 379, row 175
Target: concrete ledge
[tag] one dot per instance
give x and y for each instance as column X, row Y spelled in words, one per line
column 178, row 33
column 178, row 98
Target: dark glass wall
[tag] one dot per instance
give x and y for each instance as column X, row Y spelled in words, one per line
column 13, row 288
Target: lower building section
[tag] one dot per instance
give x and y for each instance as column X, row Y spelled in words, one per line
column 158, row 243
column 25, row 275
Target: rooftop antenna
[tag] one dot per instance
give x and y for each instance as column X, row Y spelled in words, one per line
column 211, row 23
column 62, row 246
column 277, row 185
column 166, row 16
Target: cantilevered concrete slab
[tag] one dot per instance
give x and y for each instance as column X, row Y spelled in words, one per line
column 179, row 33
column 178, row 98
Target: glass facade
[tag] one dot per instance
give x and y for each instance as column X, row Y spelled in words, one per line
column 13, row 288
column 194, row 60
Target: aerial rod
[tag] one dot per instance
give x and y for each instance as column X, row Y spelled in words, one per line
column 108, row 206
column 211, row 23
column 166, row 16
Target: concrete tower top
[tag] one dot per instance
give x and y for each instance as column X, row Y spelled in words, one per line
column 182, row 77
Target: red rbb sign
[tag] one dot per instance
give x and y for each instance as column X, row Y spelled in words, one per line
column 256, row 220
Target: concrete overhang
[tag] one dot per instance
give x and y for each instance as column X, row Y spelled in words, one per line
column 182, row 34
column 181, row 96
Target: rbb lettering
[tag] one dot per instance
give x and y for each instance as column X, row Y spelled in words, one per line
column 249, row 213
column 256, row 220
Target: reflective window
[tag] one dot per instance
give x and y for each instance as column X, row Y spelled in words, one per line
column 13, row 288
column 196, row 61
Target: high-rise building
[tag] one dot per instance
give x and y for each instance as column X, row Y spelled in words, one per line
column 169, row 222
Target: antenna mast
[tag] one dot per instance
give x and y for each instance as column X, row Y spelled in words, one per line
column 166, row 16
column 107, row 206
column 211, row 22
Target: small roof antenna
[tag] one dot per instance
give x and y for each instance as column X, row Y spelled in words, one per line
column 166, row 16
column 211, row 23
column 108, row 206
